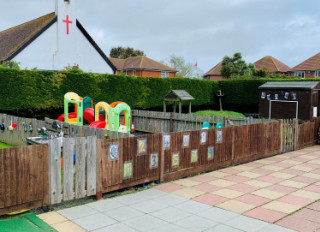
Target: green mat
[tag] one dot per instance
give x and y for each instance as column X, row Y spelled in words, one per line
column 25, row 222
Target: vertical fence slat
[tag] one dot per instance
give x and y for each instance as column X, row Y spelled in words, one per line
column 68, row 169
column 55, row 172
column 92, row 166
column 81, row 153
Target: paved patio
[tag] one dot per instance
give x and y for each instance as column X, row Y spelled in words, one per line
column 264, row 195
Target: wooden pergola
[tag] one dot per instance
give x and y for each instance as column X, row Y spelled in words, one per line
column 177, row 96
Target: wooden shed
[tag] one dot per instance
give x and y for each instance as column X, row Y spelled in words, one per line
column 290, row 99
column 177, row 96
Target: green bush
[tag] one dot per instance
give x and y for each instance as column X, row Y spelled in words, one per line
column 36, row 91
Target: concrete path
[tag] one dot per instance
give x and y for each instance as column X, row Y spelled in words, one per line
column 251, row 197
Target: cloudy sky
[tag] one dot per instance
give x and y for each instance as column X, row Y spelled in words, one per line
column 202, row 31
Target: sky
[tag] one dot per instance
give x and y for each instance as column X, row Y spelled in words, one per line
column 202, row 31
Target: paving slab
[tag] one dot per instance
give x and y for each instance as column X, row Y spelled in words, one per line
column 196, row 223
column 77, row 212
column 94, row 221
column 124, row 213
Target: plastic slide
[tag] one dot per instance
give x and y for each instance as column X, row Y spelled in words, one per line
column 88, row 115
column 98, row 124
column 70, row 115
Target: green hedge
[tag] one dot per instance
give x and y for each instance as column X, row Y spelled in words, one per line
column 28, row 90
column 25, row 92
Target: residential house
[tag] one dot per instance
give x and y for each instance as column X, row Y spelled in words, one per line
column 214, row 73
column 272, row 65
column 307, row 69
column 142, row 66
column 53, row 42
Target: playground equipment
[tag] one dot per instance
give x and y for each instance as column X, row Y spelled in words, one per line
column 76, row 100
column 103, row 116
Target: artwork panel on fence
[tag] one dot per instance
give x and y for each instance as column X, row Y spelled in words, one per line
column 154, row 160
column 186, row 140
column 203, row 137
column 210, row 153
column 127, row 170
column 219, row 136
column 166, row 141
column 113, row 151
column 175, row 160
column 142, row 145
column 194, row 156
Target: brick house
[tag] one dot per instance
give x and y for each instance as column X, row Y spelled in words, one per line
column 214, row 73
column 142, row 66
column 307, row 69
column 272, row 65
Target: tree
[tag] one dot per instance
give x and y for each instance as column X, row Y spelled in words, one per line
column 9, row 64
column 124, row 53
column 235, row 66
column 184, row 69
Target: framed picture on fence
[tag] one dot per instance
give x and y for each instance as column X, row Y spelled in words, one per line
column 219, row 136
column 194, row 156
column 186, row 140
column 142, row 146
column 203, row 137
column 166, row 141
column 114, row 151
column 154, row 160
column 127, row 170
column 210, row 153
column 175, row 160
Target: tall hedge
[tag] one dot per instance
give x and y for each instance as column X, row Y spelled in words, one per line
column 25, row 92
column 42, row 91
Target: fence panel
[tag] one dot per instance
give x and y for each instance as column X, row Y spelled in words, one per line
column 23, row 178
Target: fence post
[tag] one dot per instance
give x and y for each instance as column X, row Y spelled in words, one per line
column 296, row 128
column 281, row 136
column 233, row 146
column 171, row 121
column 162, row 160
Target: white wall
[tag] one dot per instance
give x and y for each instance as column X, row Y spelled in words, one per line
column 40, row 53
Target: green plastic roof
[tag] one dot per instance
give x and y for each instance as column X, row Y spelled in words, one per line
column 290, row 85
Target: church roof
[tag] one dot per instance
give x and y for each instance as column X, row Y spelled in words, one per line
column 311, row 64
column 140, row 63
column 271, row 64
column 215, row 71
column 14, row 39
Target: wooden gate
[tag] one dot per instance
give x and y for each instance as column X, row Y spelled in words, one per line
column 289, row 135
column 23, row 178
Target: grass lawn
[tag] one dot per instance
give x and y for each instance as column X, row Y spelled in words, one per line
column 219, row 113
column 3, row 145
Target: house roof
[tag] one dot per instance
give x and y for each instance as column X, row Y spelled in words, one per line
column 14, row 39
column 175, row 95
column 311, row 64
column 215, row 71
column 271, row 64
column 140, row 63
column 290, row 85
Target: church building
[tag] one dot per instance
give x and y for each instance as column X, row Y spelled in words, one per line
column 53, row 42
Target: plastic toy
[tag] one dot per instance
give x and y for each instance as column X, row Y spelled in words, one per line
column 219, row 125
column 76, row 100
column 205, row 125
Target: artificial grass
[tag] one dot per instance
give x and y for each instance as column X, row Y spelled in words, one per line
column 3, row 145
column 230, row 114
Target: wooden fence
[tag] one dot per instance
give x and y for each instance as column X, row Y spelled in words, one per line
column 72, row 168
column 28, row 127
column 102, row 165
column 160, row 122
column 23, row 178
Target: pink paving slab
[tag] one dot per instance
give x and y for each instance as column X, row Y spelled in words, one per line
column 265, row 214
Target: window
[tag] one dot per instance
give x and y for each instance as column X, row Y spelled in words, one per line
column 164, row 74
column 300, row 74
column 133, row 72
column 317, row 73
